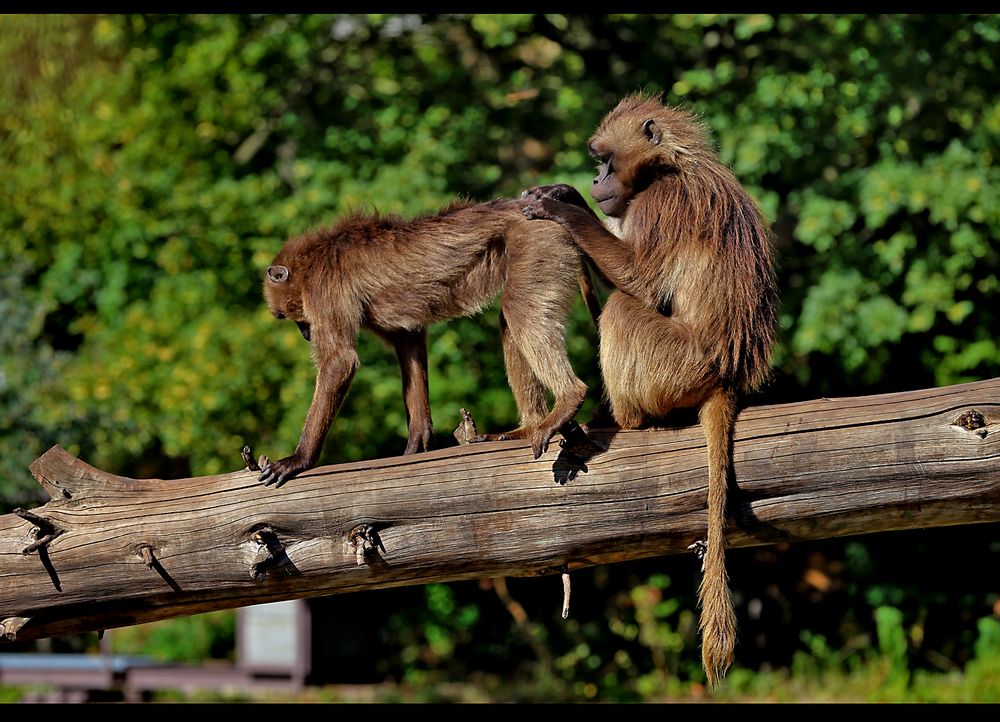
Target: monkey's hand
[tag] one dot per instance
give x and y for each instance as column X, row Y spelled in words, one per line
column 557, row 192
column 278, row 472
column 550, row 210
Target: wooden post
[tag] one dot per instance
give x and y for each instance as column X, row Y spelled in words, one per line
column 108, row 551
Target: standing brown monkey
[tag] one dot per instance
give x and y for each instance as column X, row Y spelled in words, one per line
column 395, row 277
column 692, row 321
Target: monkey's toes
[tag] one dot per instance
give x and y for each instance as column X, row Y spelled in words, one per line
column 540, row 442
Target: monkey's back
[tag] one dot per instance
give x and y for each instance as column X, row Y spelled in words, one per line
column 411, row 273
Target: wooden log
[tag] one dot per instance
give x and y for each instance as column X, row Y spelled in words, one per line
column 109, row 551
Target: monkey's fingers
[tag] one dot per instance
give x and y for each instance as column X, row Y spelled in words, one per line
column 556, row 191
column 267, row 475
column 533, row 211
column 272, row 474
column 283, row 470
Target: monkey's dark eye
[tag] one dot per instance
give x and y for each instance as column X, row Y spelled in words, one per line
column 279, row 315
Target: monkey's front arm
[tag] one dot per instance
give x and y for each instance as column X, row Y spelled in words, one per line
column 612, row 256
column 336, row 362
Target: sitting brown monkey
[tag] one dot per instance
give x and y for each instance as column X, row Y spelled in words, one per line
column 395, row 277
column 692, row 321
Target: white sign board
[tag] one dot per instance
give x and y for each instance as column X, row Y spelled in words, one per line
column 272, row 636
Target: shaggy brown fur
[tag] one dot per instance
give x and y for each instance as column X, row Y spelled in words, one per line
column 395, row 277
column 692, row 322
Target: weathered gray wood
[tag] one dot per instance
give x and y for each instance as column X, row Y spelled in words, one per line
column 125, row 551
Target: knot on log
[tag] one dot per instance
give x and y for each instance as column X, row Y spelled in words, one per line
column 45, row 531
column 268, row 556
column 146, row 552
column 363, row 539
column 972, row 420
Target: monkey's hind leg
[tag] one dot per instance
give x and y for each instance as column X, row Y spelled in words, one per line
column 529, row 393
column 539, row 345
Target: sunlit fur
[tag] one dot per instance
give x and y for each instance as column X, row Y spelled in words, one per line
column 702, row 247
column 693, row 320
column 396, row 277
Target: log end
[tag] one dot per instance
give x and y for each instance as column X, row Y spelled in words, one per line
column 63, row 476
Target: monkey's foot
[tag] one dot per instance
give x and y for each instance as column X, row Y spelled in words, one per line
column 280, row 471
column 505, row 436
column 539, row 438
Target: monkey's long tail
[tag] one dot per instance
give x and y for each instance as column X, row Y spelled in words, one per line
column 718, row 619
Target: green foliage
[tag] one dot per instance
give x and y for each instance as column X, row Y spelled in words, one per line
column 187, row 147
column 892, row 644
column 187, row 639
column 152, row 166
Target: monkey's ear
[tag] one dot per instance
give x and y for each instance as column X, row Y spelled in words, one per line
column 278, row 274
column 651, row 132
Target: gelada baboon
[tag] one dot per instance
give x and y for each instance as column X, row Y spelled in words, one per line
column 395, row 277
column 692, row 321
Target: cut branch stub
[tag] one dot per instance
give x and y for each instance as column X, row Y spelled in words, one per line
column 45, row 531
column 11, row 626
column 247, row 455
column 63, row 476
column 466, row 430
column 700, row 548
column 566, row 591
column 261, row 463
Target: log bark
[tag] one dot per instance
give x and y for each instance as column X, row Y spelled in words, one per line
column 109, row 551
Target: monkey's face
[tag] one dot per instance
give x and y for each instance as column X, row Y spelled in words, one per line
column 608, row 190
column 284, row 298
column 631, row 151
